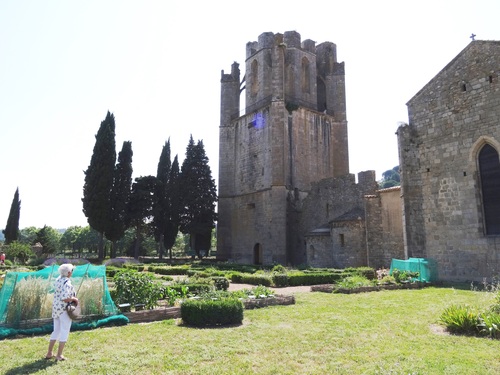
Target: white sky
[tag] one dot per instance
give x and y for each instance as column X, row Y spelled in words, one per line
column 156, row 65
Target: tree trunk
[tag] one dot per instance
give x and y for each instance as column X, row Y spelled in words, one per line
column 137, row 245
column 100, row 250
column 160, row 248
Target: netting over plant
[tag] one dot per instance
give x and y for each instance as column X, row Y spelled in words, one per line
column 28, row 295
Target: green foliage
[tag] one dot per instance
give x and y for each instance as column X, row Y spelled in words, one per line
column 256, row 279
column 460, row 319
column 120, row 194
column 390, row 178
column 28, row 235
column 168, row 205
column 199, row 196
column 489, row 324
column 172, row 294
column 137, row 288
column 99, row 179
column 202, row 313
column 11, row 231
column 140, row 208
column 352, row 282
column 49, row 238
column 278, row 268
column 220, row 283
column 170, row 270
column 20, row 251
column 280, row 279
column 404, row 276
column 303, row 278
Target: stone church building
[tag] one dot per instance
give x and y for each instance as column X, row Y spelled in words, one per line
column 450, row 168
column 285, row 192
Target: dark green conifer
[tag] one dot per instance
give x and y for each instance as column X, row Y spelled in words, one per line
column 11, row 231
column 99, row 180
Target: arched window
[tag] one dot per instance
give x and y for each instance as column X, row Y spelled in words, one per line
column 489, row 170
column 255, row 78
column 306, row 76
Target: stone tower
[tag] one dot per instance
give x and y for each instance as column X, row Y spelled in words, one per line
column 291, row 134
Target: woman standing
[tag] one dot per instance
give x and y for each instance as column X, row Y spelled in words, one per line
column 64, row 292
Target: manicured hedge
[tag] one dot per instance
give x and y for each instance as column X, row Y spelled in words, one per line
column 202, row 313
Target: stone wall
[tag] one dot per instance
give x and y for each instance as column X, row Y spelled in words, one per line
column 450, row 119
column 384, row 227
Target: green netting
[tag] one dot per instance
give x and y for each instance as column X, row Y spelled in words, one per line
column 427, row 268
column 27, row 296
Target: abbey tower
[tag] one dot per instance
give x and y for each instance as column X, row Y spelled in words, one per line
column 291, row 134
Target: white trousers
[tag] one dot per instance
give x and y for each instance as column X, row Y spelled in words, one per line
column 62, row 326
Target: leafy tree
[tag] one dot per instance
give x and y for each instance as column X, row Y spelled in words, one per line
column 49, row 238
column 88, row 240
column 140, row 208
column 18, row 251
column 11, row 230
column 390, row 178
column 99, row 180
column 120, row 195
column 199, row 195
column 69, row 239
column 28, row 235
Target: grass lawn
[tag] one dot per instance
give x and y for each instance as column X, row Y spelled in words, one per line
column 388, row 332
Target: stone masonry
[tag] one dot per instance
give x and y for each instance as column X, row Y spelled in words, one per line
column 451, row 119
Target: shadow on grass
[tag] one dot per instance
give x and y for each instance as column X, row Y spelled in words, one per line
column 31, row 368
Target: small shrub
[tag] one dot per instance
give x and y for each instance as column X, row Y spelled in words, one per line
column 137, row 288
column 220, row 283
column 354, row 282
column 489, row 324
column 202, row 313
column 460, row 319
column 280, row 279
column 256, row 279
column 404, row 276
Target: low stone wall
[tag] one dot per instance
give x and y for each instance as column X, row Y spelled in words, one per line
column 269, row 301
column 164, row 313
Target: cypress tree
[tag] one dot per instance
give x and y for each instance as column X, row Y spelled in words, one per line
column 199, row 195
column 174, row 207
column 99, row 180
column 11, row 231
column 120, row 195
column 161, row 206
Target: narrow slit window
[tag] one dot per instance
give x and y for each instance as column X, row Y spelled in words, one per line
column 342, row 239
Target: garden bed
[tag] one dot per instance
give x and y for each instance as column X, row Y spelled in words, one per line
column 330, row 288
column 164, row 313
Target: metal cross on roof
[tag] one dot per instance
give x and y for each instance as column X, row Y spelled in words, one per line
column 472, row 36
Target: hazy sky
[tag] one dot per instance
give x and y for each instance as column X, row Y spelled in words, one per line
column 156, row 65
